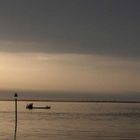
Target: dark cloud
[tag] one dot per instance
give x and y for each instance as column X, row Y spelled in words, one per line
column 76, row 26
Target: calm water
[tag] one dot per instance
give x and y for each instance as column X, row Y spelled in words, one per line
column 71, row 121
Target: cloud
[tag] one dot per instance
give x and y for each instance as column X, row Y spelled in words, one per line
column 91, row 27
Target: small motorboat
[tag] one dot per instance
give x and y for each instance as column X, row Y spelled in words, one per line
column 30, row 106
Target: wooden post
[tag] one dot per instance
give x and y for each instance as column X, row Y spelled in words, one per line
column 15, row 115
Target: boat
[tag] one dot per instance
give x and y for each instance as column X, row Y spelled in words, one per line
column 30, row 106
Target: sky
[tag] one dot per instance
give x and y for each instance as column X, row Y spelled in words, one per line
column 75, row 46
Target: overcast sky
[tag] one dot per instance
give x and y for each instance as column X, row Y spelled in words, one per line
column 77, row 26
column 82, row 45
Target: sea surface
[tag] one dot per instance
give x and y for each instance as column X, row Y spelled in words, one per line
column 71, row 121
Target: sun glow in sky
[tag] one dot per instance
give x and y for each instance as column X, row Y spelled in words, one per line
column 68, row 72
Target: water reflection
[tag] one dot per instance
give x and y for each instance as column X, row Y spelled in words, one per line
column 15, row 133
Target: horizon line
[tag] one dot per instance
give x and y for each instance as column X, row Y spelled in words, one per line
column 58, row 100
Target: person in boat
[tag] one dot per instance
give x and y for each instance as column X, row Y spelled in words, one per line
column 30, row 106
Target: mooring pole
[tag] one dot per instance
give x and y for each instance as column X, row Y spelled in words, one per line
column 15, row 115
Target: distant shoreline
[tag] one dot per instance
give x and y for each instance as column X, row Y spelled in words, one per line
column 82, row 101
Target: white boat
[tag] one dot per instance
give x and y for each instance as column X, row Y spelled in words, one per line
column 30, row 106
